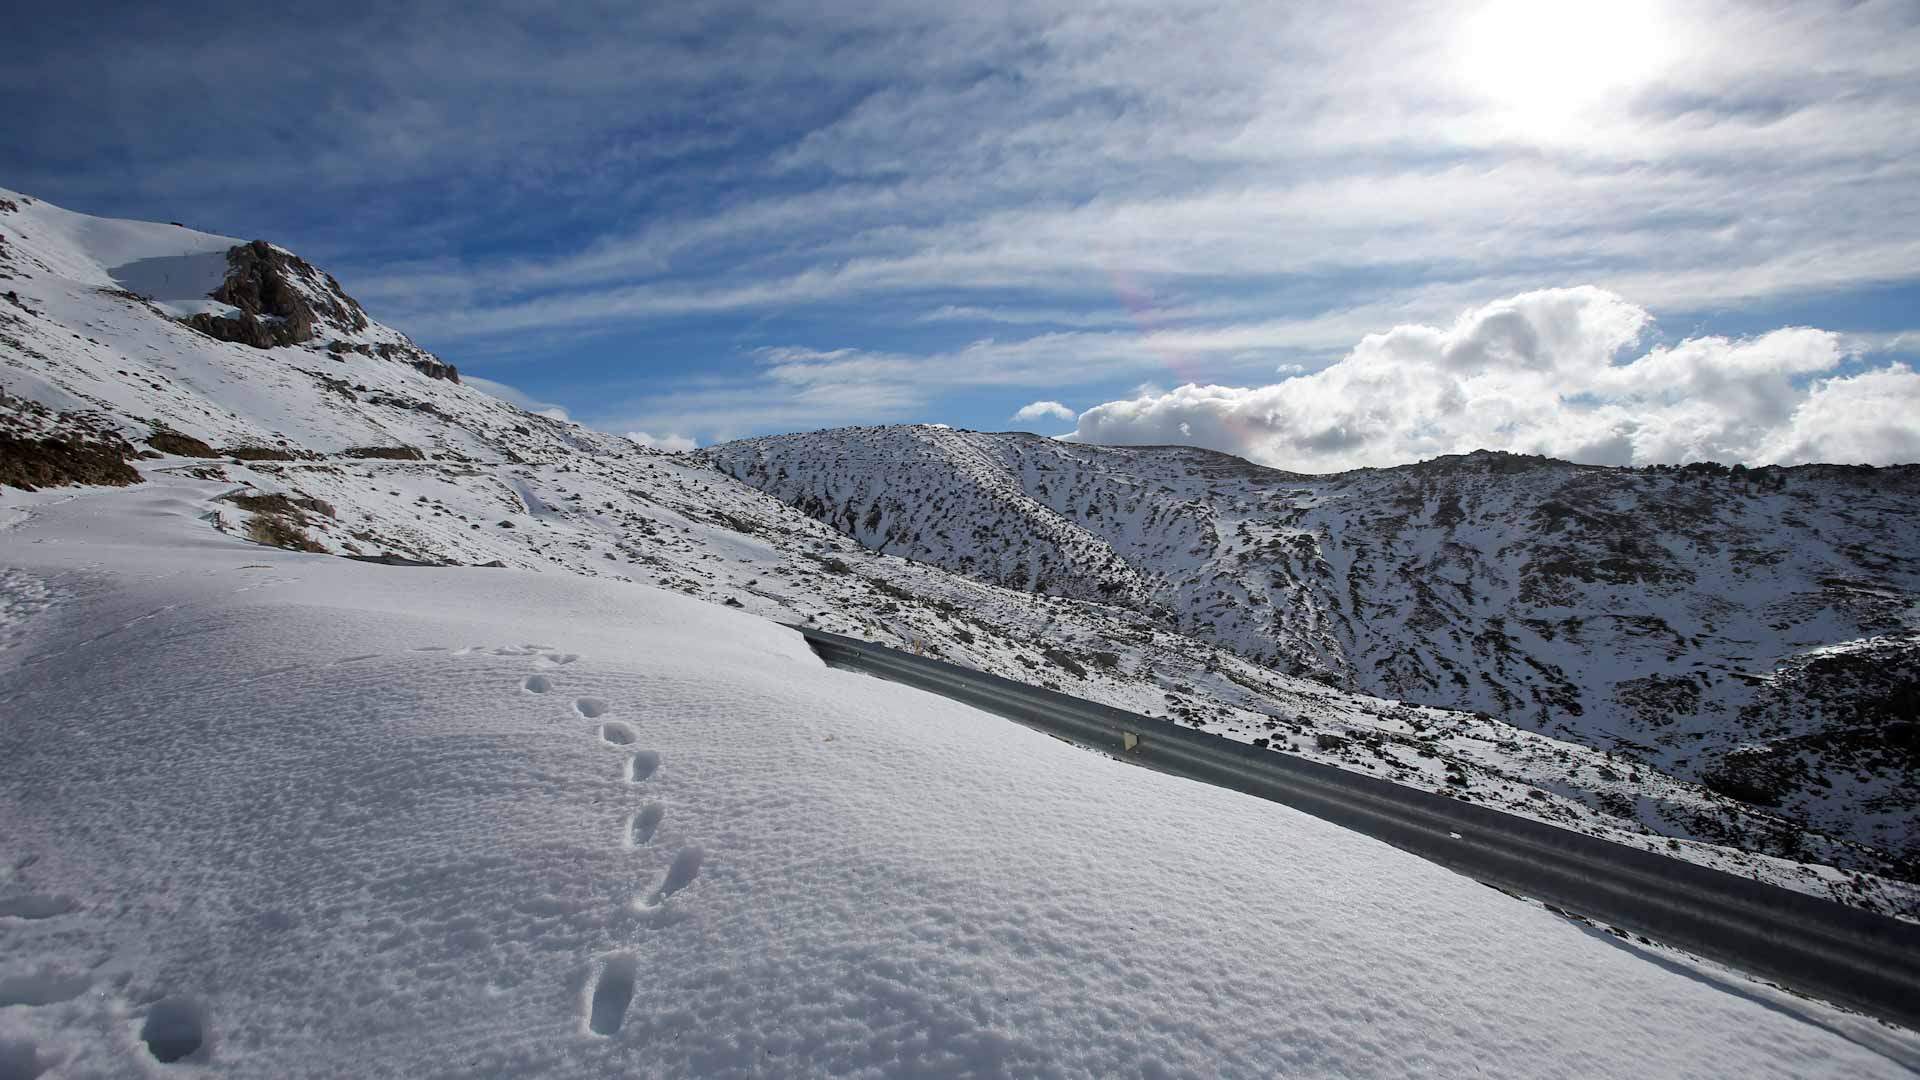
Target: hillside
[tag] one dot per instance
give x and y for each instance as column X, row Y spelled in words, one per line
column 355, row 442
column 271, row 813
column 1668, row 617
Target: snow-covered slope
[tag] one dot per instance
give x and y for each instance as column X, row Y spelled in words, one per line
column 1641, row 612
column 348, row 451
column 280, row 814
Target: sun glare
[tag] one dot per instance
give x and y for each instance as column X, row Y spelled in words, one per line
column 1544, row 67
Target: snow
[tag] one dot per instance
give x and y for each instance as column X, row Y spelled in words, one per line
column 587, row 503
column 97, row 251
column 291, row 815
column 178, row 284
column 1619, row 613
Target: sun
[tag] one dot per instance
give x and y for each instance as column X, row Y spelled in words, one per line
column 1549, row 67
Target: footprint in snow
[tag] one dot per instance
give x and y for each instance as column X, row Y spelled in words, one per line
column 554, row 660
column 686, row 867
column 536, row 684
column 175, row 1028
column 42, row 988
column 612, row 994
column 590, row 707
column 615, row 733
column 642, row 826
column 642, row 765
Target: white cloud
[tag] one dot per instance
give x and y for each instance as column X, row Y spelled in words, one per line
column 1868, row 419
column 1142, row 178
column 514, row 396
column 1039, row 409
column 1542, row 372
column 674, row 444
column 1227, row 145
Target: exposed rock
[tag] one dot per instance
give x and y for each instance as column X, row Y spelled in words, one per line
column 43, row 447
column 56, row 461
column 437, row 369
column 391, row 453
column 173, row 442
column 422, row 361
column 282, row 300
column 241, row 329
column 275, row 530
column 263, row 453
column 292, row 506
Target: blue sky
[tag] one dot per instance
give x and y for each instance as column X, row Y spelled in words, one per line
column 704, row 221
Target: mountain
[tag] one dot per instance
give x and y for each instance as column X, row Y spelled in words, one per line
column 274, row 814
column 135, row 353
column 1693, row 620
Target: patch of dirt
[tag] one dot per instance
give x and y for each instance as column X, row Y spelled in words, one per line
column 293, row 506
column 281, row 520
column 43, row 447
column 266, row 453
column 173, row 442
column 274, row 530
column 56, row 461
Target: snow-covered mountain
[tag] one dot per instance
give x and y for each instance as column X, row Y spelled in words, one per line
column 549, row 807
column 132, row 350
column 1677, row 618
column 274, row 814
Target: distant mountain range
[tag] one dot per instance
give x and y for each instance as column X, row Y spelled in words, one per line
column 1720, row 664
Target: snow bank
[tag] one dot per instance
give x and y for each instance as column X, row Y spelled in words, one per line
column 170, row 263
column 290, row 815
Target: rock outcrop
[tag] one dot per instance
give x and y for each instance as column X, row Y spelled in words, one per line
column 282, row 300
column 422, row 361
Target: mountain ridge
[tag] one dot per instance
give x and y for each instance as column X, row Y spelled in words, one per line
column 344, row 451
column 1583, row 600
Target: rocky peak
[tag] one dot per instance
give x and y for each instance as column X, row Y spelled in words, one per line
column 282, row 300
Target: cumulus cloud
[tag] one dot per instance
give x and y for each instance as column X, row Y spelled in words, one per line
column 1041, row 409
column 1866, row 419
column 674, row 444
column 1551, row 372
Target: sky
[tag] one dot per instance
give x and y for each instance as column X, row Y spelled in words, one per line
column 1318, row 235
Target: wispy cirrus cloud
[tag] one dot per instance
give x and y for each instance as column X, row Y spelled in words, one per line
column 630, row 208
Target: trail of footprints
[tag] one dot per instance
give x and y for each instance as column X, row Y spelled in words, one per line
column 174, row 1029
column 612, row 984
